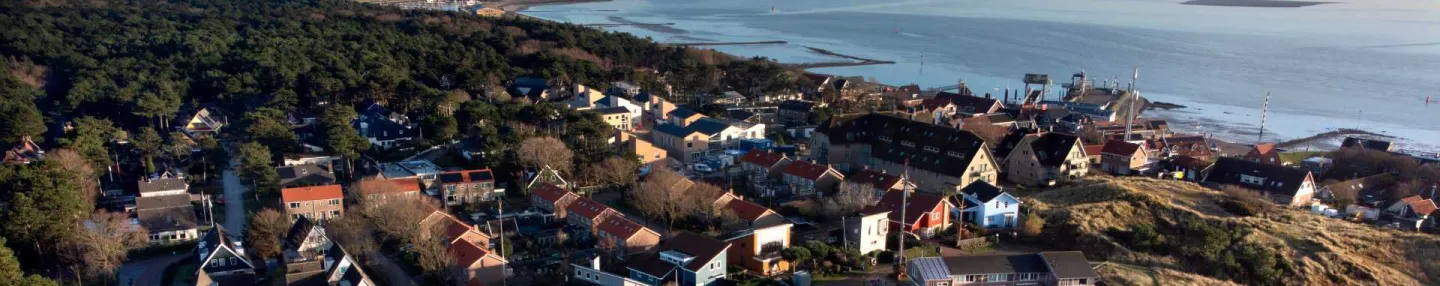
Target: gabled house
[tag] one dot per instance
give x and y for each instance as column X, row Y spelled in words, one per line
column 749, row 214
column 1193, row 146
column 1123, row 158
column 656, row 109
column 584, row 98
column 316, row 202
column 878, row 181
column 687, row 259
column 729, row 98
column 466, row 187
column 533, row 88
column 967, row 105
column 683, row 117
column 645, row 151
column 1069, row 268
column 476, row 264
column 333, row 266
column 807, row 179
column 162, row 186
column 453, row 230
column 202, row 123
column 24, row 152
column 1186, row 168
column 617, row 117
column 763, row 163
column 703, row 136
column 758, row 249
column 552, row 198
column 304, row 175
column 587, row 214
column 222, row 259
column 990, row 207
column 924, row 215
column 1413, row 212
column 169, row 218
column 408, row 188
column 938, row 159
column 792, row 112
column 1046, row 158
column 384, row 129
column 1264, row 153
column 625, row 236
column 1284, row 185
column 305, row 240
column 868, row 230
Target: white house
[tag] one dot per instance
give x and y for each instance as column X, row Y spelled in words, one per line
column 988, row 206
column 867, row 231
column 636, row 111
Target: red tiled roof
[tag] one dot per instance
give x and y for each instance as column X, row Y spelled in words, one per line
column 301, row 194
column 1420, row 205
column 466, row 253
column 550, row 192
column 920, row 205
column 765, row 158
column 1120, row 147
column 1262, row 149
column 875, row 178
column 619, row 226
column 1093, row 150
column 746, row 210
column 405, row 185
column 585, row 207
column 806, row 170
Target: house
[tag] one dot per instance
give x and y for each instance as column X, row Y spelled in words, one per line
column 222, row 259
column 466, row 187
column 922, row 214
column 1186, row 168
column 304, row 176
column 453, row 230
column 749, row 214
column 990, row 207
column 1284, row 185
column 938, row 159
column 316, row 202
column 1368, row 144
column 383, row 128
column 792, row 112
column 552, row 198
column 703, row 136
column 162, row 186
column 1264, row 153
column 304, row 240
column 1318, row 165
column 24, row 152
column 626, row 237
column 587, row 214
column 729, row 98
column 1123, row 158
column 967, row 105
column 168, row 218
column 807, row 179
column 1094, row 152
column 476, row 264
column 636, row 111
column 1358, row 187
column 203, row 123
column 591, row 273
column 1194, row 146
column 1045, row 159
column 584, row 98
column 424, row 170
column 868, row 230
column 683, row 117
column 1413, row 212
column 624, row 88
column 1044, row 268
column 878, row 181
column 533, row 88
column 645, row 151
column 617, row 117
column 758, row 249
column 334, row 267
column 763, row 163
column 401, row 188
column 655, row 108
column 293, row 159
column 818, row 83
column 687, row 259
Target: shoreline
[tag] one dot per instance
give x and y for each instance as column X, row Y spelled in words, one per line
column 515, row 6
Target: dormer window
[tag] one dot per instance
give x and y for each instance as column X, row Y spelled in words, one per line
column 884, row 138
column 932, row 149
column 907, row 143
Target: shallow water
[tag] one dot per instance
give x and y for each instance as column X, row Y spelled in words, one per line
column 1341, row 65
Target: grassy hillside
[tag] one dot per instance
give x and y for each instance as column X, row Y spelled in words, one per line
column 1163, row 232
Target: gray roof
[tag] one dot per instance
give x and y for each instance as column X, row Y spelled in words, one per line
column 304, row 175
column 672, row 129
column 1052, row 148
column 613, row 110
column 995, row 264
column 1068, row 264
column 887, row 136
column 161, row 185
column 165, row 213
column 1278, row 179
column 708, row 126
column 682, row 112
column 983, row 191
column 796, row 105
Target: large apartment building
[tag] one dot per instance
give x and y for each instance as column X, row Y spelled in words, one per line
column 938, row 159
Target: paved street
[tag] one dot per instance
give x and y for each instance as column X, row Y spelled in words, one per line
column 234, row 202
column 147, row 272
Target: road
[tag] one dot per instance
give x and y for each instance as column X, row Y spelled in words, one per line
column 147, row 272
column 234, row 202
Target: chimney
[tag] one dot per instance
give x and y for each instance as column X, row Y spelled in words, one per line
column 987, row 95
column 595, row 262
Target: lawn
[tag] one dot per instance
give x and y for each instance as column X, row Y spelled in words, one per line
column 1296, row 157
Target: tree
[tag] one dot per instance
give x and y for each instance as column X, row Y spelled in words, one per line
column 1032, row 225
column 255, row 166
column 22, row 118
column 269, row 127
column 663, row 196
column 396, row 219
column 89, row 138
column 81, row 173
column 851, row 198
column 10, row 273
column 339, row 136
column 474, row 115
column 263, row 234
column 795, row 253
column 148, row 141
column 544, row 151
column 40, row 210
column 101, row 244
column 616, row 171
column 355, row 233
column 439, row 127
column 179, row 146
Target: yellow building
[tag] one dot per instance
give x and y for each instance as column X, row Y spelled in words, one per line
column 645, row 151
column 490, row 12
column 616, row 117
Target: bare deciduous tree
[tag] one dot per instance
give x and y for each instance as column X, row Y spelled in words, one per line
column 262, row 236
column 542, row 151
column 851, row 198
column 84, row 174
column 355, row 234
column 397, row 219
column 616, row 171
column 101, row 244
column 371, row 193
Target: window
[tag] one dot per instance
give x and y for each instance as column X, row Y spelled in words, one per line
column 220, row 262
column 294, row 205
column 334, row 202
column 907, row 143
column 932, row 149
column 334, row 213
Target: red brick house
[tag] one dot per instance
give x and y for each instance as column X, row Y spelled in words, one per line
column 1264, row 154
column 925, row 214
column 552, row 198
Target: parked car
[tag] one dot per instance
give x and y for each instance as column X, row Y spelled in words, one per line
column 702, row 168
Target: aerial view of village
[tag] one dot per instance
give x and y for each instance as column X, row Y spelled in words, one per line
column 708, row 143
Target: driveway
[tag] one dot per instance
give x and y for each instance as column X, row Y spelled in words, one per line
column 234, row 202
column 147, row 272
column 392, row 271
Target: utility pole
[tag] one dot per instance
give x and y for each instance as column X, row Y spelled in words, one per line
column 904, row 203
column 1264, row 112
column 1134, row 99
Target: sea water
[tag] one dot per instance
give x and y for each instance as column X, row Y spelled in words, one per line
column 1362, row 64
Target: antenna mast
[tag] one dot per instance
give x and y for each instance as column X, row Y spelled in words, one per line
column 1264, row 113
column 1135, row 99
column 904, row 204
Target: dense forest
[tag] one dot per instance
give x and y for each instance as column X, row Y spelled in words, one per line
column 81, row 75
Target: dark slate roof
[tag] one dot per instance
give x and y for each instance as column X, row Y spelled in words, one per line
column 466, row 176
column 613, row 110
column 955, row 147
column 1068, row 264
column 162, row 184
column 982, row 191
column 1052, row 148
column 796, row 105
column 308, row 174
column 651, row 264
column 298, row 232
column 1278, row 179
column 642, row 97
column 165, row 213
column 672, row 129
column 379, row 126
column 968, row 103
column 683, row 112
column 708, row 126
column 995, row 263
column 701, row 247
column 1369, row 144
column 739, row 114
column 1008, row 144
column 874, row 178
